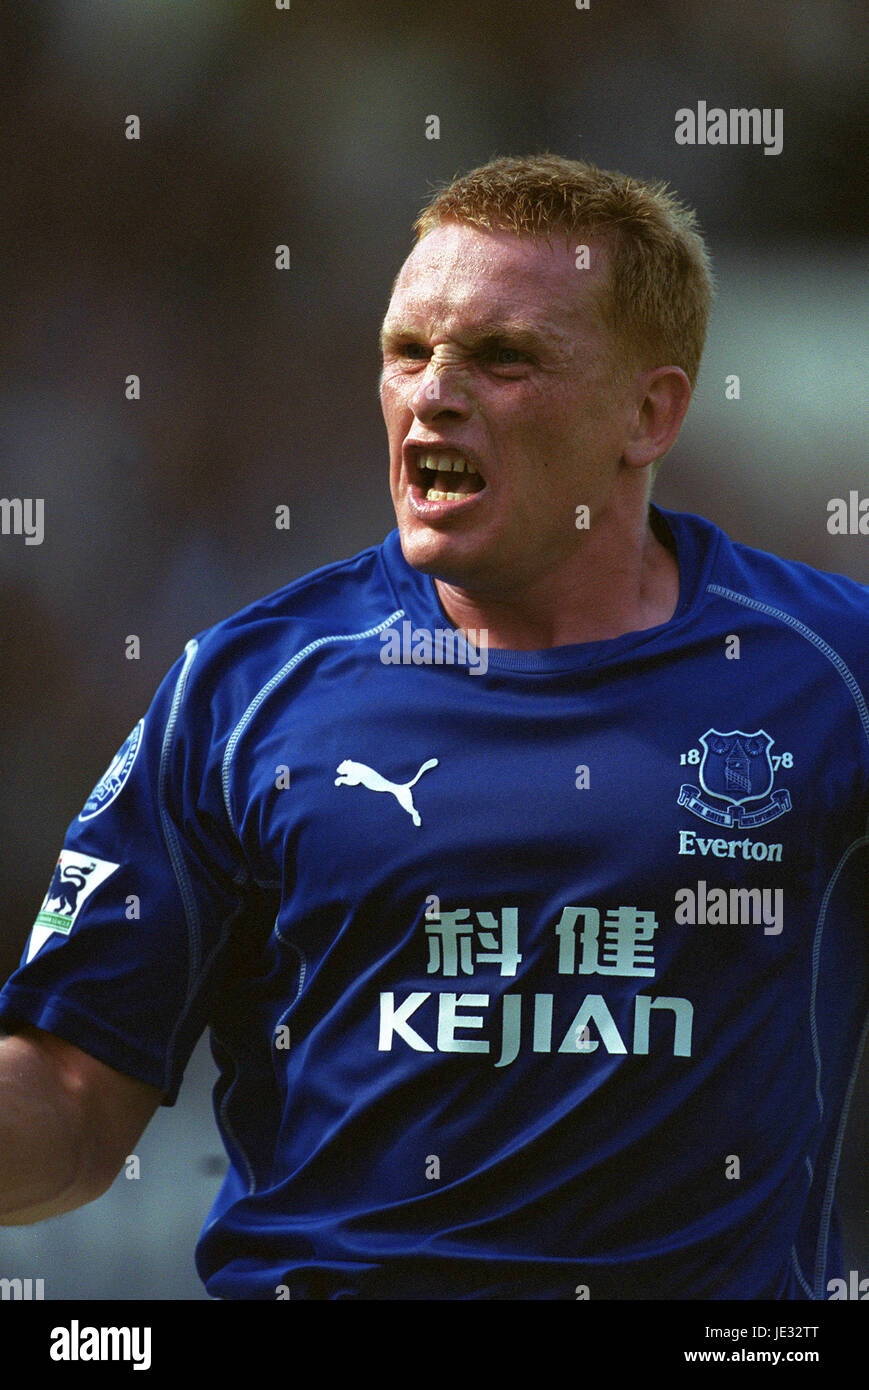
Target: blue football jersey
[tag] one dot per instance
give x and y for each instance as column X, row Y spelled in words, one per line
column 529, row 974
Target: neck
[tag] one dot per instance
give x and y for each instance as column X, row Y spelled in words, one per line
column 616, row 580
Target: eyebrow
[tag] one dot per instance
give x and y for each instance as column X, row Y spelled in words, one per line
column 521, row 335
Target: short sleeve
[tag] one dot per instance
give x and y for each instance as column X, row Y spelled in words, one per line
column 128, row 946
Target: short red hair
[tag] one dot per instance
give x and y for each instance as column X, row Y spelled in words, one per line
column 659, row 288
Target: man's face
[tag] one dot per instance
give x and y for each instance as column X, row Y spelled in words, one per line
column 494, row 362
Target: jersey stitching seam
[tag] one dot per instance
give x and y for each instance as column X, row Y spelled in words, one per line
column 263, row 694
column 816, row 965
column 229, row 753
column 227, row 1126
column 188, row 1003
column 799, row 1273
column 188, row 899
column 303, row 969
column 824, row 647
column 223, row 1109
column 824, row 1228
column 824, row 1224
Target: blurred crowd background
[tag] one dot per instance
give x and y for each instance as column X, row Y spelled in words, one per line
column 156, row 257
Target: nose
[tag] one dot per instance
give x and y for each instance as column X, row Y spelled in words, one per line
column 443, row 389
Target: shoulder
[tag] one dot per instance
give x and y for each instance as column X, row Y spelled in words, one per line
column 348, row 599
column 828, row 610
column 206, row 699
column 821, row 606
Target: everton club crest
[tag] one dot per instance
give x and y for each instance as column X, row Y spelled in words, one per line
column 736, row 770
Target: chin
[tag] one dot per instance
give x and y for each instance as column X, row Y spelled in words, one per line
column 424, row 548
column 444, row 557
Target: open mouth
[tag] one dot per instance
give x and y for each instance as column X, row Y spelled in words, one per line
column 444, row 476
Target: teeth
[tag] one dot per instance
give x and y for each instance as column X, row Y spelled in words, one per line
column 435, row 495
column 442, row 463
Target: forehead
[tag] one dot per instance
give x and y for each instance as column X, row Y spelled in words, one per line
column 466, row 277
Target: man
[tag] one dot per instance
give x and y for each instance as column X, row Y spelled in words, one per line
column 516, row 864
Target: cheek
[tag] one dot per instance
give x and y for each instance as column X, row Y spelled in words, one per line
column 395, row 411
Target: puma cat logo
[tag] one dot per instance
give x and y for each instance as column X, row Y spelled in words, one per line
column 352, row 774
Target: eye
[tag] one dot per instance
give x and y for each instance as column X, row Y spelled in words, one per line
column 500, row 355
column 415, row 351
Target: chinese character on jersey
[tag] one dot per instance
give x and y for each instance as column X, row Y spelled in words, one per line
column 452, row 949
column 624, row 947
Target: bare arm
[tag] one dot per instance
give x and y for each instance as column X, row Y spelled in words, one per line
column 67, row 1123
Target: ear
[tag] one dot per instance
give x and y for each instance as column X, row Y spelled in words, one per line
column 660, row 403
